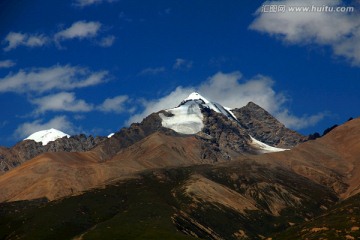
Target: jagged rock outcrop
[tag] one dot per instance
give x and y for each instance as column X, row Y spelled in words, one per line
column 264, row 127
column 224, row 134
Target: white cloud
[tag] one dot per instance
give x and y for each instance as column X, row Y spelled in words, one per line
column 7, row 64
column 226, row 89
column 169, row 101
column 63, row 101
column 116, row 104
column 339, row 30
column 107, row 41
column 299, row 122
column 56, row 77
column 60, row 122
column 181, row 63
column 84, row 3
column 152, row 71
column 15, row 39
column 231, row 91
column 79, row 30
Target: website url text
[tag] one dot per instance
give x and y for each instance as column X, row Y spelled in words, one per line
column 275, row 8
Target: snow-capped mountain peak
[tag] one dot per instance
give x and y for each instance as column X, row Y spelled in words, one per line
column 187, row 118
column 195, row 96
column 209, row 104
column 46, row 136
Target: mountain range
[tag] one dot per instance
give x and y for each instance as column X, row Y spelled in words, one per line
column 198, row 170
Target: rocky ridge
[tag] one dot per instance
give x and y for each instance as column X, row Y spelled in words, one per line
column 28, row 149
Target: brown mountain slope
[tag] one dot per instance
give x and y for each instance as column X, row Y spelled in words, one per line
column 345, row 140
column 333, row 160
column 160, row 150
column 51, row 175
column 55, row 175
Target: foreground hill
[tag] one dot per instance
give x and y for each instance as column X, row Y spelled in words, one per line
column 205, row 201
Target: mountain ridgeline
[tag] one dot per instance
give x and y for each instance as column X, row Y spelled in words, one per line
column 220, row 133
column 196, row 171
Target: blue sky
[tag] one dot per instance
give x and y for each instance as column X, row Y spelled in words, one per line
column 95, row 66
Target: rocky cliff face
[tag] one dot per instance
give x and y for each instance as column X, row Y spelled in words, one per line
column 224, row 135
column 263, row 126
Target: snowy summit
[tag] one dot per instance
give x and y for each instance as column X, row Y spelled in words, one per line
column 212, row 105
column 46, row 136
column 187, row 118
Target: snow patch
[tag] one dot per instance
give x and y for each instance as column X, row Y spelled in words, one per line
column 212, row 105
column 264, row 147
column 196, row 96
column 46, row 136
column 186, row 119
column 110, row 135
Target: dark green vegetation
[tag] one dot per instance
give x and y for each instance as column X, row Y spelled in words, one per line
column 342, row 221
column 137, row 209
column 157, row 206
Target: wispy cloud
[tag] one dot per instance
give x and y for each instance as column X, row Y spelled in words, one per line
column 57, row 77
column 107, row 41
column 299, row 122
column 79, row 30
column 181, row 63
column 232, row 91
column 85, row 3
column 152, row 71
column 116, row 104
column 16, row 39
column 68, row 102
column 59, row 122
column 7, row 64
column 63, row 101
column 339, row 30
